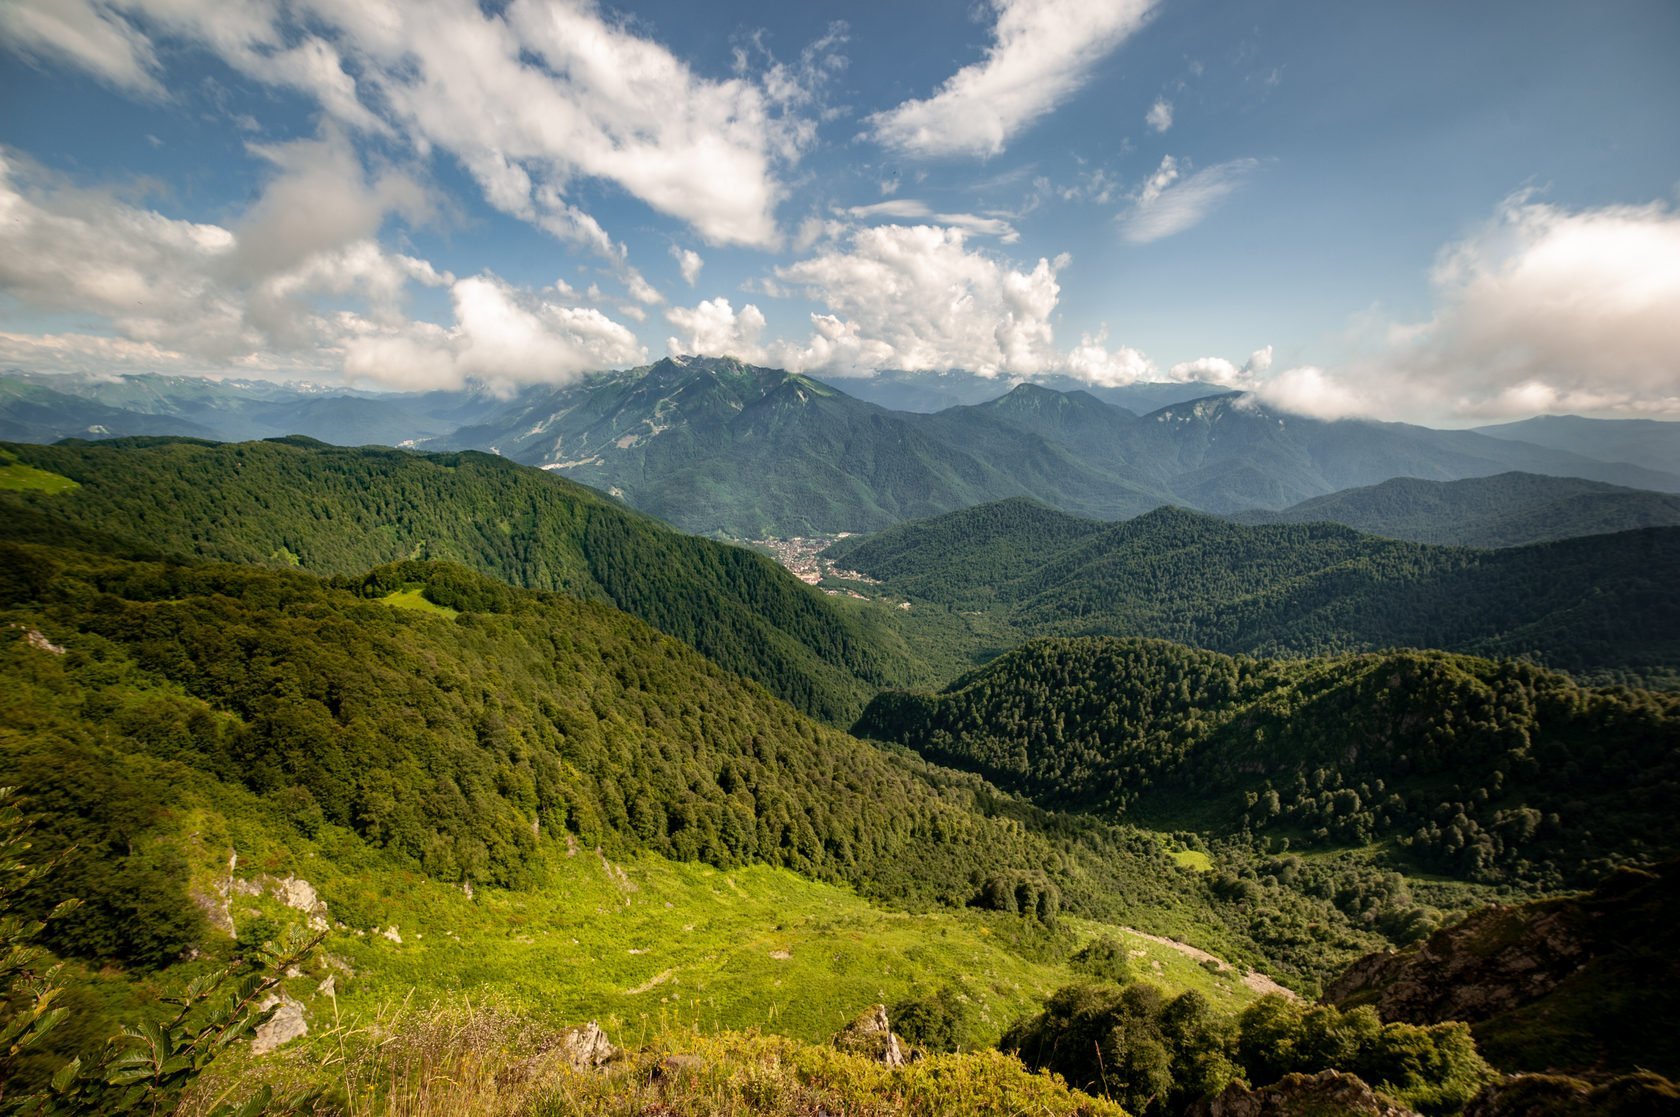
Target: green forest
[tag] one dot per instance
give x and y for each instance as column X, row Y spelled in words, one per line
column 1599, row 606
column 519, row 737
column 295, row 502
column 1495, row 771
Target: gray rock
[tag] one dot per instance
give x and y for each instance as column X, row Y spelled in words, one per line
column 585, row 1048
column 286, row 1024
column 871, row 1036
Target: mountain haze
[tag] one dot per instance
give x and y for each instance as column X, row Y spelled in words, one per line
column 1505, row 510
column 1595, row 604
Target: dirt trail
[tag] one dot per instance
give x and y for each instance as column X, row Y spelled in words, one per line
column 1255, row 980
column 657, row 979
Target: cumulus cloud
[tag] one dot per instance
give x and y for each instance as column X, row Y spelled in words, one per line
column 528, row 96
column 640, row 289
column 1218, row 370
column 64, row 249
column 1042, row 52
column 689, row 264
column 1543, row 310
column 1170, row 202
column 917, row 297
column 1091, row 360
column 716, row 329
column 1160, row 115
column 271, row 297
column 501, row 336
column 319, row 200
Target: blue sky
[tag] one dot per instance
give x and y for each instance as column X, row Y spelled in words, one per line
column 1435, row 211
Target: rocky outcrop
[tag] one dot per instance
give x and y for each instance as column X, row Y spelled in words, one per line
column 585, row 1048
column 285, row 1024
column 871, row 1036
column 1303, row 1095
column 1495, row 960
column 300, row 895
column 1585, row 985
column 1550, row 1095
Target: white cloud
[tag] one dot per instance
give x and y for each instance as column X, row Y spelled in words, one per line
column 75, row 31
column 689, row 264
column 917, row 297
column 715, row 329
column 1160, row 115
column 901, row 209
column 86, row 252
column 528, row 96
column 1091, row 360
column 1218, row 370
column 1043, row 51
column 320, row 200
column 1543, row 310
column 1168, row 202
column 272, row 296
column 501, row 336
column 640, row 289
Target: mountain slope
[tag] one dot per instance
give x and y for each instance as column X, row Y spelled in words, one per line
column 1506, row 510
column 1644, row 442
column 1484, row 770
column 716, row 446
column 1229, row 453
column 31, row 412
column 1580, row 984
column 1594, row 604
column 339, row 511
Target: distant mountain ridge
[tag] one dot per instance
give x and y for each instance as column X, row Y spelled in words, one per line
column 1597, row 604
column 1505, row 510
column 1646, row 442
column 719, row 447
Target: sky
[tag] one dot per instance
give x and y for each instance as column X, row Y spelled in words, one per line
column 1432, row 211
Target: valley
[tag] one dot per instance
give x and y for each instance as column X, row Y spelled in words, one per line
column 528, row 758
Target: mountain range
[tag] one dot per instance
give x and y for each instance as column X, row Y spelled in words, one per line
column 722, row 448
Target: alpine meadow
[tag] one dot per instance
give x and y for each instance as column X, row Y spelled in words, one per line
column 1099, row 558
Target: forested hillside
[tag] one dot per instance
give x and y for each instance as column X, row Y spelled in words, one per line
column 452, row 721
column 1491, row 771
column 1600, row 606
column 1508, row 510
column 340, row 511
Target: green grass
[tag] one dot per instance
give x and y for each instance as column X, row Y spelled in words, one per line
column 668, row 944
column 1193, row 859
column 645, row 945
column 414, row 598
column 17, row 477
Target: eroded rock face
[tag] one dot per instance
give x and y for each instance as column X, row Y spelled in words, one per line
column 586, row 1048
column 1497, row 959
column 1303, row 1095
column 300, row 895
column 871, row 1036
column 1548, row 1095
column 285, row 1025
